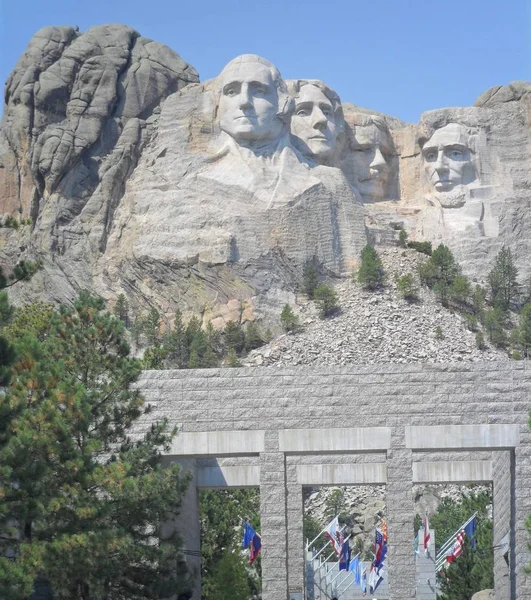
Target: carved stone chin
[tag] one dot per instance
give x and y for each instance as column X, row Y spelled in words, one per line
column 452, row 199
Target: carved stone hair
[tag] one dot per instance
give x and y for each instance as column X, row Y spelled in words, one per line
column 295, row 85
column 359, row 119
column 427, row 132
column 285, row 101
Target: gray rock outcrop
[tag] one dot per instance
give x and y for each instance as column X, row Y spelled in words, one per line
column 76, row 115
column 212, row 197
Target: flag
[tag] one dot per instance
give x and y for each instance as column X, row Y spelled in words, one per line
column 248, row 534
column 344, row 557
column 335, row 536
column 375, row 579
column 363, row 579
column 256, row 548
column 380, row 549
column 354, row 567
column 427, row 535
column 457, row 549
column 470, row 530
column 416, row 546
column 383, row 528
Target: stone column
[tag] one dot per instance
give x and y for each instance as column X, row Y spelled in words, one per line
column 296, row 541
column 520, row 555
column 187, row 523
column 425, row 567
column 273, row 520
column 502, row 502
column 400, row 513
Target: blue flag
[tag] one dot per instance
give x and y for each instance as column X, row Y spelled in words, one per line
column 355, row 568
column 344, row 556
column 248, row 535
column 256, row 548
column 470, row 530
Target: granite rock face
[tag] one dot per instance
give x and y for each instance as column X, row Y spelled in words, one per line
column 76, row 115
column 212, row 197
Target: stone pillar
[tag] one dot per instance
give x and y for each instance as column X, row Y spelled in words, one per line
column 425, row 567
column 273, row 520
column 296, row 541
column 400, row 514
column 187, row 524
column 520, row 555
column 502, row 502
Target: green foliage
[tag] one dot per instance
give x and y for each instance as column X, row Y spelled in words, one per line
column 422, row 247
column 503, row 280
column 154, row 357
column 87, row 499
column 371, row 273
column 408, row 288
column 326, row 300
column 232, row 360
column 402, row 238
column 471, row 321
column 439, row 273
column 459, row 291
column 478, row 300
column 473, row 570
column 525, row 329
column 310, row 279
column 495, row 322
column 288, row 319
column 177, row 344
column 229, row 579
column 221, row 532
column 438, row 333
column 234, row 337
column 311, row 528
column 33, row 319
column 480, row 340
column 336, row 504
column 121, row 310
column 253, row 338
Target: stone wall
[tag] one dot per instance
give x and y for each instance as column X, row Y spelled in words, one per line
column 406, row 413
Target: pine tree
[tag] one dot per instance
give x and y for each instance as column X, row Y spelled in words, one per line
column 177, row 344
column 439, row 272
column 288, row 319
column 152, row 324
column 121, row 310
column 229, row 578
column 503, row 280
column 495, row 321
column 407, row 287
column 310, row 278
column 253, row 339
column 326, row 300
column 87, row 500
column 525, row 329
column 234, row 337
column 371, row 273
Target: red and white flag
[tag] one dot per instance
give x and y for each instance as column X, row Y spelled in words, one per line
column 427, row 535
column 457, row 549
column 335, row 535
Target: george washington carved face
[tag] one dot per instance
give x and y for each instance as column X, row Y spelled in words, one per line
column 250, row 109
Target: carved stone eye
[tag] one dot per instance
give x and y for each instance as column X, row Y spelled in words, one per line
column 456, row 154
column 302, row 112
column 430, row 156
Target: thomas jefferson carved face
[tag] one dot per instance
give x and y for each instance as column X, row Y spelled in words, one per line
column 249, row 103
column 313, row 125
column 447, row 158
column 370, row 151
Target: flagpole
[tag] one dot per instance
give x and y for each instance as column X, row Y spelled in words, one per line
column 342, row 570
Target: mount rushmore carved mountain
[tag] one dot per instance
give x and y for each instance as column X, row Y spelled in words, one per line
column 130, row 176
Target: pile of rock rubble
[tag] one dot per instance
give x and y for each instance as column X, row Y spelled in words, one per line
column 375, row 327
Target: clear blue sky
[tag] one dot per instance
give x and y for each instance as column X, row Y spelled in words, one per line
column 400, row 57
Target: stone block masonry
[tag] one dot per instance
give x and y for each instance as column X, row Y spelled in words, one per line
column 400, row 424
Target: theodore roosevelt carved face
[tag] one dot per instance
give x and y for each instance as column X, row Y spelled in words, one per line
column 253, row 100
column 316, row 121
column 448, row 158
